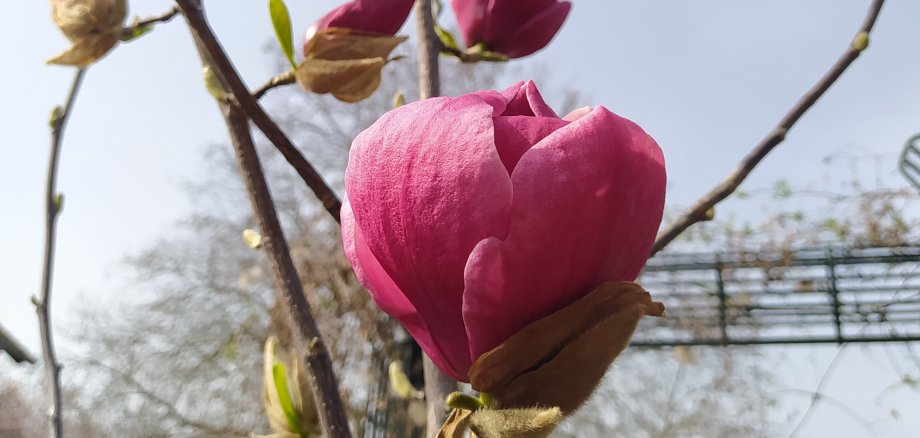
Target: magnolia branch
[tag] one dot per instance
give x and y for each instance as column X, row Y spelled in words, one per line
column 225, row 70
column 141, row 24
column 53, row 204
column 701, row 210
column 322, row 379
column 285, row 78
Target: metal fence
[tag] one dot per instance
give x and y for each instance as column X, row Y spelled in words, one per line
column 827, row 295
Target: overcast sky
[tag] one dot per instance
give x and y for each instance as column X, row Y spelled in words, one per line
column 707, row 79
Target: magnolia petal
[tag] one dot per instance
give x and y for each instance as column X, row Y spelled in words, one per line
column 379, row 16
column 525, row 100
column 394, row 302
column 533, row 35
column 577, row 113
column 471, row 18
column 411, row 172
column 556, row 248
column 504, row 16
column 515, row 135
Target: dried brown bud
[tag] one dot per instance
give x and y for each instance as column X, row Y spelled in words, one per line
column 93, row 26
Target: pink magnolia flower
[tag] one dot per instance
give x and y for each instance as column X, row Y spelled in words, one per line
column 516, row 28
column 468, row 218
column 377, row 16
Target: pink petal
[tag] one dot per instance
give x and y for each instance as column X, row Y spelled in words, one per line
column 426, row 184
column 523, row 99
column 531, row 36
column 588, row 200
column 515, row 135
column 503, row 17
column 395, row 303
column 380, row 16
column 471, row 18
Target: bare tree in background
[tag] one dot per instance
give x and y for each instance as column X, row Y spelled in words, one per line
column 22, row 410
column 670, row 393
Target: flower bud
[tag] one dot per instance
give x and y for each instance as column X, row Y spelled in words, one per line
column 346, row 50
column 515, row 28
column 93, row 26
column 469, row 218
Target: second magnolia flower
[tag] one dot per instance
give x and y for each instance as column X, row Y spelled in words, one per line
column 469, row 218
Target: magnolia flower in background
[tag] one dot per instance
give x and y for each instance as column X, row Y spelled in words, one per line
column 346, row 50
column 469, row 218
column 385, row 17
column 514, row 28
column 93, row 26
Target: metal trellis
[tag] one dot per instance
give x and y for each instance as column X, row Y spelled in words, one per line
column 823, row 295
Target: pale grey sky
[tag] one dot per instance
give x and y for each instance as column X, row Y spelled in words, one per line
column 707, row 79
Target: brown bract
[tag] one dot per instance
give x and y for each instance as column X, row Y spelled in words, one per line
column 345, row 62
column 93, row 26
column 559, row 360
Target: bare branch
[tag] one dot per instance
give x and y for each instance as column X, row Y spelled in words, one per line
column 698, row 212
column 170, row 407
column 11, row 347
column 225, row 70
column 323, row 382
column 285, row 78
column 53, row 204
column 140, row 24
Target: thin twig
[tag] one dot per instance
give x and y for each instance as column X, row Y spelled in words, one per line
column 698, row 212
column 817, row 394
column 170, row 407
column 225, row 70
column 140, row 24
column 53, row 204
column 285, row 78
column 323, row 382
column 437, row 385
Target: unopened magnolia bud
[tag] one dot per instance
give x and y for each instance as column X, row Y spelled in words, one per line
column 55, row 117
column 400, row 384
column 286, row 394
column 58, row 202
column 861, row 41
column 399, row 99
column 252, row 238
column 459, row 400
column 710, row 214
